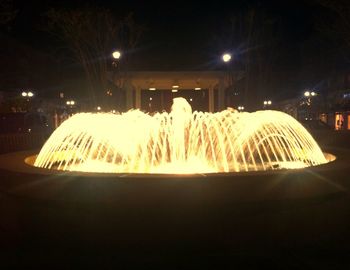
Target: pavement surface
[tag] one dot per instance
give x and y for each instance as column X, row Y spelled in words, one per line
column 48, row 223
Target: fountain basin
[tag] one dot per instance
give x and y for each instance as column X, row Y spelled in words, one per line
column 20, row 178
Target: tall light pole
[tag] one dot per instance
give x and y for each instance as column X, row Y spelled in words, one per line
column 28, row 95
column 309, row 95
column 227, row 59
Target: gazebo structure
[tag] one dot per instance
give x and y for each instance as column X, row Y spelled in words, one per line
column 153, row 91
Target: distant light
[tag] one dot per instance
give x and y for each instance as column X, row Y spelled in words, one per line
column 152, row 89
column 191, row 99
column 72, row 102
column 226, row 57
column 150, row 98
column 30, row 94
column 116, row 54
column 113, row 111
column 240, row 108
column 174, row 90
column 175, row 86
column 68, row 102
column 269, row 102
column 306, row 93
column 265, row 102
column 98, row 108
column 313, row 93
column 24, row 94
column 197, row 88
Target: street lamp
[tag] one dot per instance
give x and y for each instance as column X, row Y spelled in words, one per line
column 226, row 57
column 307, row 93
column 116, row 55
column 267, row 103
column 27, row 94
column 240, row 108
column 70, row 102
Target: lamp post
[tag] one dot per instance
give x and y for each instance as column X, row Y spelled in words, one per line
column 229, row 101
column 309, row 95
column 116, row 56
column 70, row 104
column 28, row 95
column 267, row 103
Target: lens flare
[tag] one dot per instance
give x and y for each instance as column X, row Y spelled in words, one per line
column 180, row 142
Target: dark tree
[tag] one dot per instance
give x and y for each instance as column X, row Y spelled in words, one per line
column 253, row 36
column 91, row 34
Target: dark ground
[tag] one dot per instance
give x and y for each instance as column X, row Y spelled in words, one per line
column 172, row 226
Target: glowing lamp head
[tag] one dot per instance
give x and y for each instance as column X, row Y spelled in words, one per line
column 306, row 93
column 269, row 102
column 116, row 54
column 152, row 89
column 313, row 93
column 30, row 94
column 174, row 90
column 226, row 57
column 265, row 102
column 98, row 108
column 24, row 94
column 197, row 88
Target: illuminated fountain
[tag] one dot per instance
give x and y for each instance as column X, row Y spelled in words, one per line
column 180, row 142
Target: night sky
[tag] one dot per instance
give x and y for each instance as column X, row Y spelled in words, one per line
column 180, row 36
column 173, row 29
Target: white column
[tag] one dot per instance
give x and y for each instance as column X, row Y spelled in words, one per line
column 138, row 98
column 211, row 99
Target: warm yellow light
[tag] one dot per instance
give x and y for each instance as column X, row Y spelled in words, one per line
column 116, row 54
column 197, row 88
column 269, row 102
column 98, row 108
column 226, row 57
column 24, row 94
column 265, row 102
column 30, row 94
column 306, row 93
column 152, row 88
column 72, row 102
column 180, row 142
column 174, row 90
column 68, row 102
column 175, row 86
column 313, row 94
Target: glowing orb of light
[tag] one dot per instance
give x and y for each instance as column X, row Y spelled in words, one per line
column 226, row 57
column 116, row 54
column 178, row 142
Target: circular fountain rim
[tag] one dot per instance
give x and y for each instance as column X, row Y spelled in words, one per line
column 10, row 162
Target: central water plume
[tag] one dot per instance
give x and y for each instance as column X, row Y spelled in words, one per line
column 178, row 142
